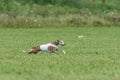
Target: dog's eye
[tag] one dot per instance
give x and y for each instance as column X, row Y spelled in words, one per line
column 60, row 42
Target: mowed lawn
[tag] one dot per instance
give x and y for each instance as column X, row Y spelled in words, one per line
column 94, row 57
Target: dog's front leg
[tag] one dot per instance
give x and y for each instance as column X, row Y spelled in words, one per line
column 62, row 51
column 56, row 52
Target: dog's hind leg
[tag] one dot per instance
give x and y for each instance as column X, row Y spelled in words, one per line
column 30, row 51
column 34, row 50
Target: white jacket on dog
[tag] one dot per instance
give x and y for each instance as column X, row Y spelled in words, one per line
column 44, row 47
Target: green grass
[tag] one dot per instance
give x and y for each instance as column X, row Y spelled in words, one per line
column 95, row 57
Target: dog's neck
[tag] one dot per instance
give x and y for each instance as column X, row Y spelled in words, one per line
column 55, row 43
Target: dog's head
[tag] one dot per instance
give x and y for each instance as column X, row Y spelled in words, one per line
column 59, row 42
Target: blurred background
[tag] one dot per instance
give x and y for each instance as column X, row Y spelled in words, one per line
column 59, row 13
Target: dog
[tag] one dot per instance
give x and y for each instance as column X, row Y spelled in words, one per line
column 50, row 47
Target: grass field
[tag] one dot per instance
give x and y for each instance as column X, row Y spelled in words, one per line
column 95, row 57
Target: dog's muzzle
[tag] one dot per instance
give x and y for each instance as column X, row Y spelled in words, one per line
column 63, row 44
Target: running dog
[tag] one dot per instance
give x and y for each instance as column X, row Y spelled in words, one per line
column 50, row 47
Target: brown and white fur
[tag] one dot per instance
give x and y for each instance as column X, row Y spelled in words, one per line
column 50, row 47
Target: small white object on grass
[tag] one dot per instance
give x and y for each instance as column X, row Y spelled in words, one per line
column 81, row 36
column 63, row 51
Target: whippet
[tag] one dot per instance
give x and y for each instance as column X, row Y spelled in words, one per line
column 50, row 47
